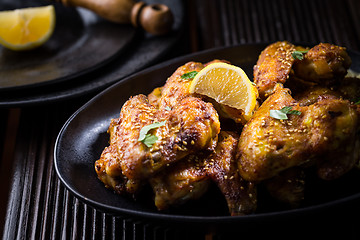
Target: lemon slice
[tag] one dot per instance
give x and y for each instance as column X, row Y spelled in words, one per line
column 226, row 84
column 27, row 28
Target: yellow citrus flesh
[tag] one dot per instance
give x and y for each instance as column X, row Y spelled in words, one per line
column 27, row 28
column 228, row 85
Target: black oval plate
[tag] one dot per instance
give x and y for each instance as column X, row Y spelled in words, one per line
column 81, row 42
column 83, row 137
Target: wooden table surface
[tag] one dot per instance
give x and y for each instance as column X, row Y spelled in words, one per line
column 35, row 204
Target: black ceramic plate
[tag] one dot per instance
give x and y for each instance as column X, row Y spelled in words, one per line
column 84, row 136
column 142, row 52
column 81, row 42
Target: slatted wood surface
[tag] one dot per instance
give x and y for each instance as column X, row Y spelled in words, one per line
column 34, row 203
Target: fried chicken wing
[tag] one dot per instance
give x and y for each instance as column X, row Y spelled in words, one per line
column 192, row 126
column 268, row 146
column 222, row 169
column 183, row 181
column 273, row 67
column 109, row 172
column 176, row 88
column 323, row 64
column 190, row 178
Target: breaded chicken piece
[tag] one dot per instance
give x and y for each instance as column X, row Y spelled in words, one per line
column 319, row 135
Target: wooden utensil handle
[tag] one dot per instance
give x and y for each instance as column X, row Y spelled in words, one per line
column 156, row 19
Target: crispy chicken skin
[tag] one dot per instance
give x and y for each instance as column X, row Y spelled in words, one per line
column 273, row 67
column 109, row 172
column 323, row 64
column 323, row 131
column 191, row 126
column 183, row 181
column 190, row 178
column 221, row 167
column 176, row 88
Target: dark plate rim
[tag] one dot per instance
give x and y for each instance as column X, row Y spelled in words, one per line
column 176, row 218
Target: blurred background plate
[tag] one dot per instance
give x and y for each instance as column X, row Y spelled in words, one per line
column 81, row 42
column 113, row 52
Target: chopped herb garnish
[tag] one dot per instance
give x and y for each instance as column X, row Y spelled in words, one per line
column 147, row 138
column 282, row 113
column 254, row 84
column 167, row 108
column 357, row 103
column 299, row 54
column 189, row 75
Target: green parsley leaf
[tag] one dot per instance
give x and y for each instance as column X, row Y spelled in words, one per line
column 145, row 137
column 357, row 103
column 189, row 75
column 299, row 54
column 167, row 108
column 282, row 113
column 149, row 140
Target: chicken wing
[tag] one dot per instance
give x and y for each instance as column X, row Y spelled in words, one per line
column 240, row 195
column 177, row 88
column 323, row 130
column 183, row 181
column 190, row 178
column 109, row 172
column 273, row 67
column 191, row 126
column 323, row 64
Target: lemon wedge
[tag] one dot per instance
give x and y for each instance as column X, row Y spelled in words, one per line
column 27, row 28
column 228, row 85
